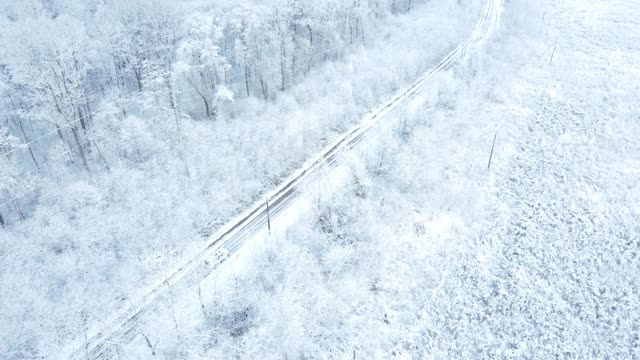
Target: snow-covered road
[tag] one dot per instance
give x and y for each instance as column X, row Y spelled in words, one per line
column 256, row 220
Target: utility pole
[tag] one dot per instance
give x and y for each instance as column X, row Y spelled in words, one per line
column 268, row 218
column 554, row 51
column 492, row 147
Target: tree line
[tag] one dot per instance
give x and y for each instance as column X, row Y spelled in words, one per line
column 66, row 66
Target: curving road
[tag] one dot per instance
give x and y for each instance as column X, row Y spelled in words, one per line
column 234, row 235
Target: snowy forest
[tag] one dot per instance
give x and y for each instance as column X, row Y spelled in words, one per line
column 132, row 130
column 491, row 213
column 73, row 70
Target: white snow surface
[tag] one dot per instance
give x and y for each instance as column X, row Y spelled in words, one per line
column 427, row 253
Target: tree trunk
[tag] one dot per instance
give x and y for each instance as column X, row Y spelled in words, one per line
column 245, row 59
column 63, row 138
column 283, row 53
column 263, row 86
column 102, row 156
column 206, row 107
column 17, row 207
column 311, row 49
column 88, row 111
column 294, row 53
column 351, row 31
column 172, row 103
column 247, row 73
column 76, row 137
column 83, row 124
column 256, row 65
column 59, row 131
column 138, row 76
column 26, row 139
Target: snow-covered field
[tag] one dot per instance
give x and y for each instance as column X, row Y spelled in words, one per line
column 428, row 253
column 425, row 252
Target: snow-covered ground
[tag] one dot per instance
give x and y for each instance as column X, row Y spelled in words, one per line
column 427, row 253
column 424, row 253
